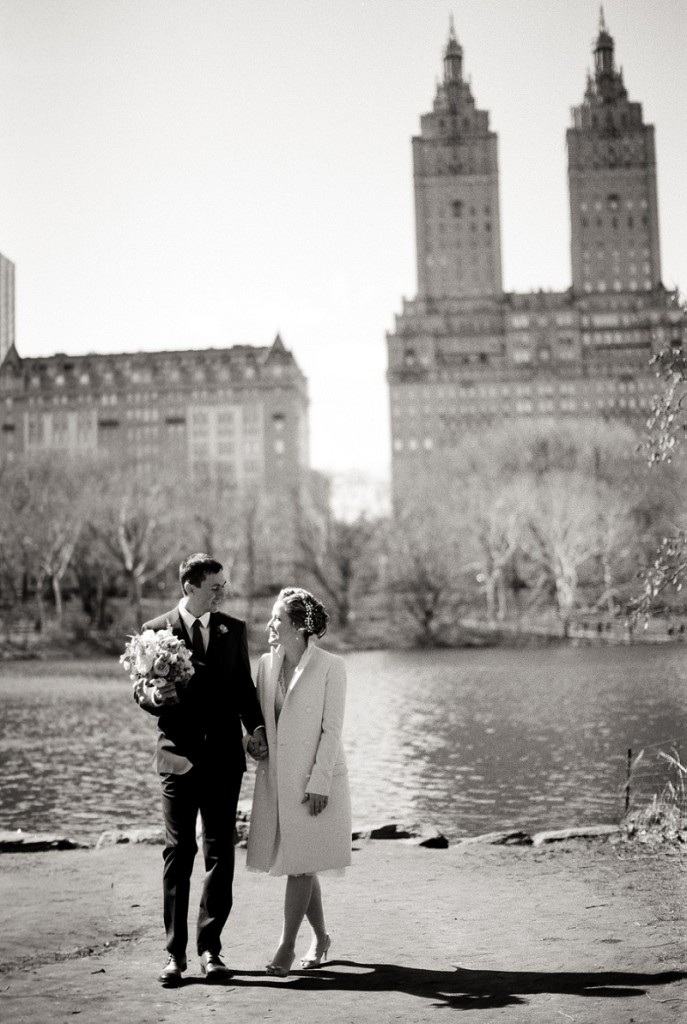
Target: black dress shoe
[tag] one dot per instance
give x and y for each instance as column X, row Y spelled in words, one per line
column 212, row 968
column 171, row 972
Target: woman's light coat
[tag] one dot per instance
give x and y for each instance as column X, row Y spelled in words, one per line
column 305, row 756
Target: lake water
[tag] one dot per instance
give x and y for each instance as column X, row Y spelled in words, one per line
column 469, row 740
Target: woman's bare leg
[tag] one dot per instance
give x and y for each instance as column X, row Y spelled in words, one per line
column 315, row 916
column 296, row 903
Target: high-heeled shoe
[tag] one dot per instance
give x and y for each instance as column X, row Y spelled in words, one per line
column 281, row 970
column 309, row 962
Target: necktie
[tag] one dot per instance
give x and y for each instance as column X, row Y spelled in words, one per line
column 197, row 642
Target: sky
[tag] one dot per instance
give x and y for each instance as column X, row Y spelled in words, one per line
column 184, row 174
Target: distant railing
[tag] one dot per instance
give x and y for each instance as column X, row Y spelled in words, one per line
column 613, row 631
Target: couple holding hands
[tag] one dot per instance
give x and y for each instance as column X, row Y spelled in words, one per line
column 293, row 717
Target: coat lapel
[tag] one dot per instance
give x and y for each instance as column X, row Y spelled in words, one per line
column 300, row 667
column 271, row 684
column 178, row 628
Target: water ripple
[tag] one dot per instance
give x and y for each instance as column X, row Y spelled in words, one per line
column 470, row 741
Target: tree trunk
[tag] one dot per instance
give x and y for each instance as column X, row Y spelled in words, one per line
column 40, row 606
column 490, row 594
column 57, row 594
column 501, row 599
column 137, row 597
column 101, row 603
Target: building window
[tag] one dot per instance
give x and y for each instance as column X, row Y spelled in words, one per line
column 522, row 355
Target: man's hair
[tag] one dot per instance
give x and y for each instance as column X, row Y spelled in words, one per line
column 196, row 567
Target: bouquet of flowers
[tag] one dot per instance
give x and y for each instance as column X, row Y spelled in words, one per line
column 156, row 656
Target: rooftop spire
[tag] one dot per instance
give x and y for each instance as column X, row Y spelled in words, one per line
column 453, row 56
column 603, row 50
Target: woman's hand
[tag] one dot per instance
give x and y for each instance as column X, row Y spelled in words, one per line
column 317, row 801
column 257, row 745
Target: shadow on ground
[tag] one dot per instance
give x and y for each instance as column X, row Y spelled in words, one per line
column 462, row 989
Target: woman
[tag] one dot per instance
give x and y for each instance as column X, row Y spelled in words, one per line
column 301, row 816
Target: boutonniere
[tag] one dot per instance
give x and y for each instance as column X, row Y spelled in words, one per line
column 222, row 629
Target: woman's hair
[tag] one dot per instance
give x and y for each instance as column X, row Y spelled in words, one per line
column 305, row 611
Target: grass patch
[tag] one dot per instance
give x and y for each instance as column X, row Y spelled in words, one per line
column 664, row 817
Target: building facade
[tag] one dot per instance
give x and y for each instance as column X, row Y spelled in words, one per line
column 237, row 417
column 464, row 353
column 456, row 178
column 6, row 306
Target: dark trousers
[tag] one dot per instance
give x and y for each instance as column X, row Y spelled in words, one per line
column 183, row 796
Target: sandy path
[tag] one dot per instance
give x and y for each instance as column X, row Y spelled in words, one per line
column 588, row 932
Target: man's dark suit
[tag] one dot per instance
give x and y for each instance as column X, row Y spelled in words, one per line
column 201, row 762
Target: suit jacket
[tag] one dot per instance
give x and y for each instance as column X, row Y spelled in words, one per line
column 204, row 728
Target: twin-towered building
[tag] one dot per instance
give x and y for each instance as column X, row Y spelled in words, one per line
column 464, row 353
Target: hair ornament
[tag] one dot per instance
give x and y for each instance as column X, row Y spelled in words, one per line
column 309, row 620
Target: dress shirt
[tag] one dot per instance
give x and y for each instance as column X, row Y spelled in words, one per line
column 204, row 628
column 190, row 619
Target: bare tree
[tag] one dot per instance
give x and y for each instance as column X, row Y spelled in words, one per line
column 667, row 430
column 96, row 575
column 428, row 566
column 340, row 557
column 140, row 524
column 45, row 506
column 496, row 521
column 562, row 534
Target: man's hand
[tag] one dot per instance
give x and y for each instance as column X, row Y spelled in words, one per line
column 317, row 801
column 140, row 689
column 257, row 745
column 165, row 692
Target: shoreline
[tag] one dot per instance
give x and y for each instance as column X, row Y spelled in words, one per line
column 26, row 841
column 469, row 634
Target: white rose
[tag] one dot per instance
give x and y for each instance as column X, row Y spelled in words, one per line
column 144, row 663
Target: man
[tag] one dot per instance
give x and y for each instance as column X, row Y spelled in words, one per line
column 201, row 761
